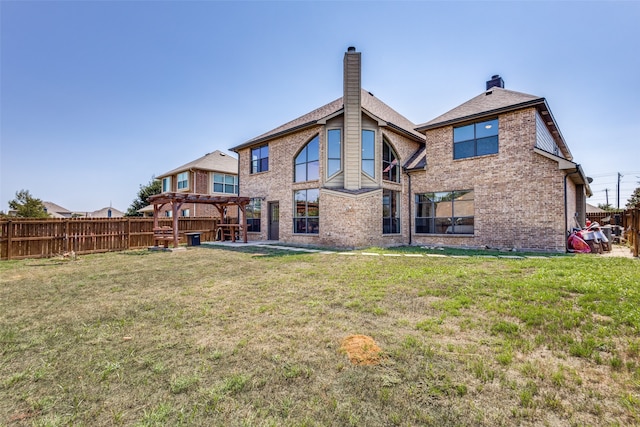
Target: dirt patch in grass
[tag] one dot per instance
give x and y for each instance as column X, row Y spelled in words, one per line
column 361, row 350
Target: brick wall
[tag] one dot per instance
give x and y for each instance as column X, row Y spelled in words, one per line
column 518, row 194
column 346, row 220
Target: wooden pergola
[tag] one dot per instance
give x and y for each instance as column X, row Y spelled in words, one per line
column 176, row 200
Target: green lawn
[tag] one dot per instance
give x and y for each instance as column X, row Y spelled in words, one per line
column 252, row 337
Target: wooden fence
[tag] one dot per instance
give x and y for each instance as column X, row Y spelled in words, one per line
column 632, row 228
column 629, row 220
column 38, row 238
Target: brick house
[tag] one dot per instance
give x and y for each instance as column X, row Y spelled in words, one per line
column 494, row 172
column 214, row 173
column 497, row 172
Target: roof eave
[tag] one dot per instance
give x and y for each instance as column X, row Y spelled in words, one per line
column 514, row 107
column 274, row 135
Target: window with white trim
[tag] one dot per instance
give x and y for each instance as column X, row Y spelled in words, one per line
column 166, row 184
column 223, row 183
column 183, row 180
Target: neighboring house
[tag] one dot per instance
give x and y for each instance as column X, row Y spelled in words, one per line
column 57, row 211
column 108, row 212
column 595, row 209
column 214, row 173
column 494, row 172
column 147, row 211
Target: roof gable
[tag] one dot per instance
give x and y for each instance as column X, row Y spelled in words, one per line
column 370, row 104
column 216, row 161
column 492, row 101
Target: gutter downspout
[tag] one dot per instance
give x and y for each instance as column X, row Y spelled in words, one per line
column 409, row 204
column 566, row 214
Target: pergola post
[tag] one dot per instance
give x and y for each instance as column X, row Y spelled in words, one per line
column 243, row 222
column 175, row 208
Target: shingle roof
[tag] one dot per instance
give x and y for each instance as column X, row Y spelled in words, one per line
column 216, row 161
column 104, row 213
column 56, row 211
column 369, row 103
column 492, row 101
column 418, row 160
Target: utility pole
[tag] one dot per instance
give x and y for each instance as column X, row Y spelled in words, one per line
column 606, row 192
column 619, row 176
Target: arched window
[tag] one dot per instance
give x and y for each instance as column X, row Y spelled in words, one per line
column 390, row 164
column 307, row 164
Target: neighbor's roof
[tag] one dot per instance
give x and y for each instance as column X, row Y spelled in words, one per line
column 104, row 213
column 216, row 161
column 495, row 101
column 56, row 211
column 369, row 103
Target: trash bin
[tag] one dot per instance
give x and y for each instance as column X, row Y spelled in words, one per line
column 193, row 239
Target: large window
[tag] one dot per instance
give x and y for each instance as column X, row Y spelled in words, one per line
column 260, row 159
column 307, row 211
column 334, row 151
column 448, row 212
column 253, row 212
column 307, row 163
column 166, row 184
column 390, row 166
column 369, row 153
column 477, row 139
column 390, row 212
column 183, row 180
column 223, row 183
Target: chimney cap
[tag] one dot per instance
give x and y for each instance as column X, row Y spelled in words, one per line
column 351, row 49
column 496, row 81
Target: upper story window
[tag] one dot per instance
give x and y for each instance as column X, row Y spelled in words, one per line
column 183, row 180
column 334, row 151
column 476, row 139
column 390, row 166
column 166, row 184
column 223, row 183
column 185, row 212
column 260, row 159
column 449, row 212
column 307, row 162
column 369, row 152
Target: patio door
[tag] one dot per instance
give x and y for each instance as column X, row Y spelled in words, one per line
column 274, row 221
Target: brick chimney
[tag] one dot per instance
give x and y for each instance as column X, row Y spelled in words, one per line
column 496, row 81
column 352, row 119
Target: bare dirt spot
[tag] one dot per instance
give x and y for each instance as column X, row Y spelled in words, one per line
column 361, row 350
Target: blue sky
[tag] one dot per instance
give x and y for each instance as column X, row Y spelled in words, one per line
column 99, row 96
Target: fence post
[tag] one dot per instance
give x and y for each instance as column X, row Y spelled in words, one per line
column 128, row 233
column 9, row 235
